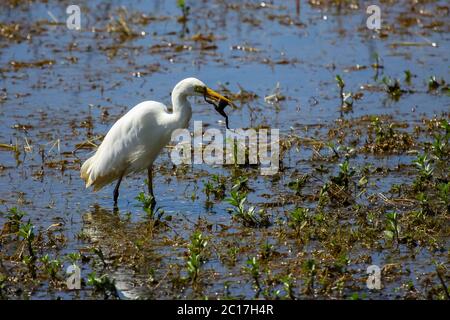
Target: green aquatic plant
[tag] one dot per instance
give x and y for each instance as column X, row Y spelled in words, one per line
column 193, row 266
column 387, row 138
column 14, row 215
column 440, row 144
column 332, row 147
column 288, row 286
column 340, row 82
column 26, row 232
column 13, row 220
column 298, row 218
column 266, row 250
column 441, row 270
column 341, row 85
column 357, row 296
column 248, row 216
column 425, row 208
column 408, row 76
column 444, row 194
column 147, row 202
column 3, row 280
column 345, row 174
column 433, row 83
column 321, row 169
column 198, row 243
column 309, row 269
column 341, row 263
column 253, row 268
column 423, row 164
column 232, row 255
column 392, row 87
column 298, row 184
column 196, row 257
column 363, row 181
column 99, row 253
column 51, row 267
column 382, row 133
column 73, row 257
column 445, row 125
column 103, row 284
column 392, row 231
column 323, row 195
column 181, row 4
column 82, row 236
column 216, row 187
column 346, row 98
column 240, row 184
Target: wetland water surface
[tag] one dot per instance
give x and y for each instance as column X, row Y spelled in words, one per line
column 364, row 160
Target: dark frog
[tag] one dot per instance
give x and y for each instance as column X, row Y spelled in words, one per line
column 220, row 108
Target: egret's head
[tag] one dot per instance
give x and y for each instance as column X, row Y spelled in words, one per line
column 195, row 87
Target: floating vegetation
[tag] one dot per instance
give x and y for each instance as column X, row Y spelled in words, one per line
column 386, row 137
column 120, row 26
column 17, row 65
column 275, row 98
column 244, row 48
column 11, row 32
column 392, row 87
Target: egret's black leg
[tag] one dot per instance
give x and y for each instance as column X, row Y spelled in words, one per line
column 116, row 191
column 150, row 185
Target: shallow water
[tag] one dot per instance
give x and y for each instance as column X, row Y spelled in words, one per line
column 95, row 77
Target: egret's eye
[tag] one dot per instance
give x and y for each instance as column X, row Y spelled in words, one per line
column 200, row 89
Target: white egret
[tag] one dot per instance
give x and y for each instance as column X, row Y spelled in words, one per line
column 135, row 140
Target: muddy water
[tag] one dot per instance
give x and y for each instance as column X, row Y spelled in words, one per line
column 62, row 89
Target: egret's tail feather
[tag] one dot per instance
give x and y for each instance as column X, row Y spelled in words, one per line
column 85, row 171
column 102, row 181
column 93, row 178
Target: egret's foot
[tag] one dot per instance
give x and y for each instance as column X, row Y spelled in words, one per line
column 152, row 203
column 115, row 207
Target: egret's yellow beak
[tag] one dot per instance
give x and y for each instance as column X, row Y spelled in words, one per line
column 216, row 96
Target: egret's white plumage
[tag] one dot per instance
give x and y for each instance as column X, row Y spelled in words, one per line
column 136, row 139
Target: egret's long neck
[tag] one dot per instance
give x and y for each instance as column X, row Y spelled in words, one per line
column 182, row 110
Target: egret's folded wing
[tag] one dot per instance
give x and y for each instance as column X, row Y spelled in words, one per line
column 123, row 148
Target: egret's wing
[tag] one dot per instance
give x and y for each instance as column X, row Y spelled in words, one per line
column 126, row 146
